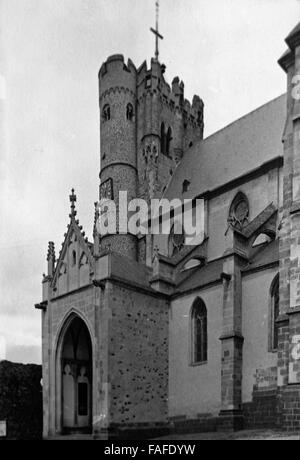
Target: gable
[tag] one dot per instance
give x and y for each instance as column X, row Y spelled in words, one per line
column 75, row 265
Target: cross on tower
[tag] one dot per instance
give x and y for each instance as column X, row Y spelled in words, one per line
column 155, row 31
column 73, row 200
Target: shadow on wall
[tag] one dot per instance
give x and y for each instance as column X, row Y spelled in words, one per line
column 21, row 400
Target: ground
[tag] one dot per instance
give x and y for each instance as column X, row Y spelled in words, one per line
column 267, row 435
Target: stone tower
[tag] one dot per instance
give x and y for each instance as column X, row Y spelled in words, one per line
column 117, row 97
column 146, row 126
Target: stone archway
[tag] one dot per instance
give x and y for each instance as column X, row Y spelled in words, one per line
column 75, row 378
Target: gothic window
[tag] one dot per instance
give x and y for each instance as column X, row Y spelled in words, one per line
column 274, row 313
column 168, row 141
column 129, row 112
column 176, row 238
column 185, row 186
column 74, row 258
column 199, row 332
column 163, row 139
column 106, row 113
column 239, row 211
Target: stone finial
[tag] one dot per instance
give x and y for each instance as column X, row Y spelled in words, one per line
column 95, row 231
column 51, row 258
column 96, row 217
column 73, row 199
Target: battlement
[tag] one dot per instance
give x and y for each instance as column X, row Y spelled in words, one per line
column 115, row 73
column 151, row 80
column 116, row 61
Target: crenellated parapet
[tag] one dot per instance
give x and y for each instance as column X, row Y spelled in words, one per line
column 152, row 81
column 115, row 73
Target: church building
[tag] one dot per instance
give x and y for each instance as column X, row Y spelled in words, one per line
column 143, row 334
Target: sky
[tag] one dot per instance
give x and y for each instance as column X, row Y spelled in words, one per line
column 50, row 54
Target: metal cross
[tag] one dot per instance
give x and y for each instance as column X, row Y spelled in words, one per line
column 156, row 32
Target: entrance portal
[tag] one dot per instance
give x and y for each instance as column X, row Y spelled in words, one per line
column 76, row 365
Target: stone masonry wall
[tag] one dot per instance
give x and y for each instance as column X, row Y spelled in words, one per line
column 262, row 412
column 138, row 358
column 289, row 407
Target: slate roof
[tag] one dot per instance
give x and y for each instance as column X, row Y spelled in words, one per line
column 238, row 149
column 130, row 270
column 263, row 255
column 198, row 277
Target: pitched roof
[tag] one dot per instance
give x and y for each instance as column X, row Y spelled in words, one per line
column 199, row 277
column 263, row 255
column 130, row 270
column 238, row 149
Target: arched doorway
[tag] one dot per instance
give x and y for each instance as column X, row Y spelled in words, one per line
column 76, row 378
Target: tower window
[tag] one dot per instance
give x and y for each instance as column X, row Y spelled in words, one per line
column 162, row 139
column 129, row 112
column 199, row 332
column 274, row 313
column 165, row 140
column 74, row 258
column 148, row 81
column 106, row 113
column 185, row 186
column 168, row 141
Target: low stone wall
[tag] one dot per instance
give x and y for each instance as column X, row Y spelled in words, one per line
column 263, row 411
column 289, row 406
column 202, row 424
column 21, row 400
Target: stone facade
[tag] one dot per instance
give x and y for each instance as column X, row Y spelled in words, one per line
column 118, row 328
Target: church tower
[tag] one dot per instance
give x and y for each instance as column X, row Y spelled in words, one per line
column 117, row 98
column 146, row 125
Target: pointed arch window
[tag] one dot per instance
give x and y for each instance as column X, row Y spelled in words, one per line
column 74, row 258
column 168, row 141
column 163, row 139
column 274, row 314
column 199, row 332
column 129, row 112
column 106, row 113
column 185, row 186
